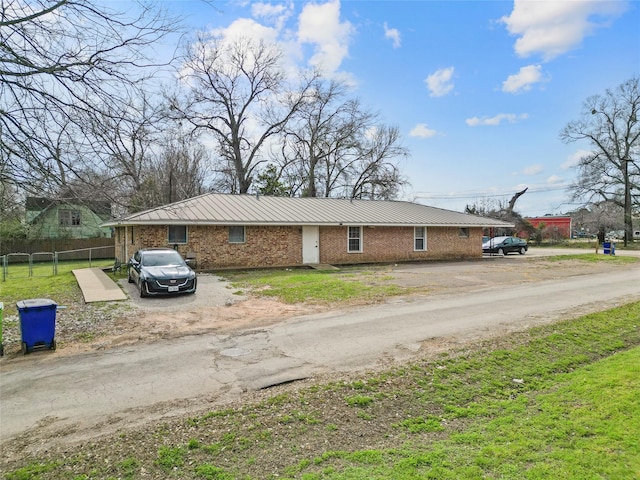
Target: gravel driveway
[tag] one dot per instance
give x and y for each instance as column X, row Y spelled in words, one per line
column 212, row 291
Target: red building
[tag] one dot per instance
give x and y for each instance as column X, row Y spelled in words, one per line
column 555, row 227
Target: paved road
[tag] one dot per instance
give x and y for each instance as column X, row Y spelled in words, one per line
column 124, row 385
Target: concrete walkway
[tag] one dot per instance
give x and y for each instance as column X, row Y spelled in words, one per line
column 97, row 286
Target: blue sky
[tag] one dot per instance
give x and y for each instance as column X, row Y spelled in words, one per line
column 479, row 89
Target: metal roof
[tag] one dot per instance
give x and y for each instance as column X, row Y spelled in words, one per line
column 227, row 209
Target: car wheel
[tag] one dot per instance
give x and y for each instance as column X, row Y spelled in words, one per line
column 522, row 250
column 501, row 252
column 143, row 289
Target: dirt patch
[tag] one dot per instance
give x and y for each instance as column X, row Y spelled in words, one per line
column 216, row 307
column 152, row 326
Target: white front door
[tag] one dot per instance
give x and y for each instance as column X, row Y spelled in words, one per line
column 310, row 244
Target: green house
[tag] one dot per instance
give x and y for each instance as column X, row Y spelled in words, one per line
column 67, row 218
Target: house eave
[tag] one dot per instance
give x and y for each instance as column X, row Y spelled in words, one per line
column 131, row 223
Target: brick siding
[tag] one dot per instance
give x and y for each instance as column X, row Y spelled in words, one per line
column 396, row 244
column 281, row 246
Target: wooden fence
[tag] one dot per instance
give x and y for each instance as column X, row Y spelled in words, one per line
column 57, row 245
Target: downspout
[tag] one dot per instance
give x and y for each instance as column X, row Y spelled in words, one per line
column 126, row 245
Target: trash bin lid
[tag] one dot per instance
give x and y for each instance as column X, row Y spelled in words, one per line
column 36, row 303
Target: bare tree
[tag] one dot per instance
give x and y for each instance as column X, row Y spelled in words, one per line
column 611, row 171
column 514, row 199
column 10, row 208
column 60, row 60
column 374, row 174
column 122, row 146
column 147, row 160
column 238, row 94
column 335, row 147
column 179, row 170
column 503, row 210
column 598, row 218
column 324, row 128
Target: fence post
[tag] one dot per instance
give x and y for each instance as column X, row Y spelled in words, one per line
column 55, row 263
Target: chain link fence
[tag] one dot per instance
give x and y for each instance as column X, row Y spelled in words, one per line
column 45, row 264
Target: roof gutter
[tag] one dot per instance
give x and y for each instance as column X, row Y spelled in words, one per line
column 129, row 223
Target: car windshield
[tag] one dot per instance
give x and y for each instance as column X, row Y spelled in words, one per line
column 495, row 240
column 158, row 259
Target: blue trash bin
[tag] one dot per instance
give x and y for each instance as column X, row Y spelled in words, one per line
column 37, row 324
column 606, row 248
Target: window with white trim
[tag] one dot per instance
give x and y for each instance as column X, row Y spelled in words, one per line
column 419, row 239
column 236, row 234
column 69, row 218
column 354, row 239
column 177, row 234
column 463, row 232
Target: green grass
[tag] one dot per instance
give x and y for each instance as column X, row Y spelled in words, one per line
column 314, row 286
column 46, row 269
column 353, row 283
column 594, row 258
column 32, row 471
column 587, row 244
column 558, row 401
column 62, row 288
column 584, row 427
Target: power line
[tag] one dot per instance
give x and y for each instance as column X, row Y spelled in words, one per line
column 473, row 195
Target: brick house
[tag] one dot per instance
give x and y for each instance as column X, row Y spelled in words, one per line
column 246, row 231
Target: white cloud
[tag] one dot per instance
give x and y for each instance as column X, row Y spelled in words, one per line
column 244, row 29
column 439, row 83
column 320, row 25
column 276, row 14
column 554, row 180
column 371, row 132
column 575, row 158
column 249, row 29
column 551, row 29
column 392, row 34
column 533, row 169
column 495, row 120
column 421, row 130
column 523, row 80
